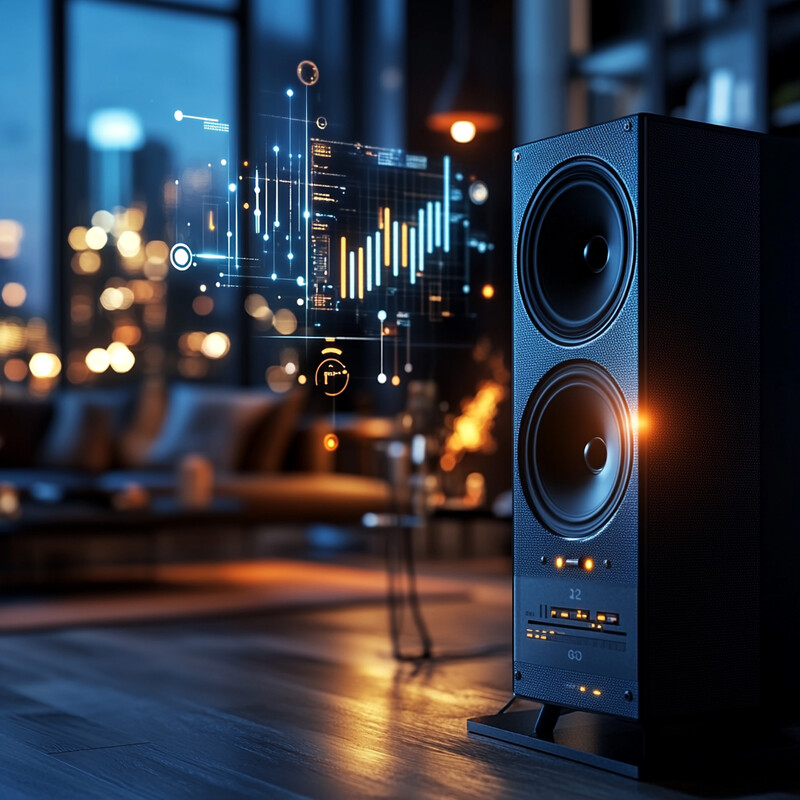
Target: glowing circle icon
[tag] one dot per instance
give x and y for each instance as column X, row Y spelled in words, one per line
column 180, row 256
column 322, row 123
column 307, row 72
column 332, row 377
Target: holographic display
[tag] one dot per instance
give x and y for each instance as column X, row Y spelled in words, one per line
column 331, row 242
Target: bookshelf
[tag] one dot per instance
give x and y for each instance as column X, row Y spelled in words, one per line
column 730, row 62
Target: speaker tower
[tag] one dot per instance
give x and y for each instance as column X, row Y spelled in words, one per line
column 655, row 414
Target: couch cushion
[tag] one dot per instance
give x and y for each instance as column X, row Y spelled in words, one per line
column 23, row 424
column 85, row 422
column 214, row 421
column 266, row 450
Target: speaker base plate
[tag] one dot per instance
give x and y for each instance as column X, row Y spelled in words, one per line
column 618, row 746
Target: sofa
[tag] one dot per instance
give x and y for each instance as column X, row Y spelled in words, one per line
column 124, row 447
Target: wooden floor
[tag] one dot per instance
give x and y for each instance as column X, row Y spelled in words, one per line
column 285, row 705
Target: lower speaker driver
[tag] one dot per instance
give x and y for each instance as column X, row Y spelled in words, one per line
column 575, row 449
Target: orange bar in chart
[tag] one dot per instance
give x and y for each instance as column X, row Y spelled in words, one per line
column 344, row 268
column 404, row 245
column 387, row 245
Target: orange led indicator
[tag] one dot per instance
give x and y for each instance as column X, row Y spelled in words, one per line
column 596, row 692
column 588, row 564
column 330, row 442
column 559, row 562
column 583, row 688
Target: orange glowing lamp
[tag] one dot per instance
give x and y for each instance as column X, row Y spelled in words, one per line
column 330, row 442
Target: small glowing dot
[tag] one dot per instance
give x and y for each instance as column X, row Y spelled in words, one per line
column 465, row 288
column 583, row 688
column 300, row 280
column 276, row 224
column 596, row 692
column 382, row 377
column 395, row 380
column 408, row 367
column 217, row 284
column 588, row 564
column 289, row 93
column 223, row 161
column 300, row 301
column 230, row 233
column 463, row 131
column 266, row 237
column 178, row 115
column 559, row 562
column 176, row 181
column 488, row 291
column 245, row 163
column 231, row 187
column 276, row 149
column 306, row 214
column 246, row 206
column 330, row 442
column 203, row 287
column 274, row 276
column 301, row 379
column 290, row 256
column 381, row 315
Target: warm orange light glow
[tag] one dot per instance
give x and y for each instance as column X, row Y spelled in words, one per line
column 15, row 369
column 14, row 294
column 97, row 360
column 463, row 131
column 301, row 379
column 129, row 243
column 588, row 564
column 215, row 345
column 640, row 422
column 395, row 380
column 559, row 562
column 447, row 462
column 596, row 692
column 404, row 245
column 95, row 238
column 211, row 225
column 330, row 442
column 583, row 688
column 44, row 365
column 488, row 291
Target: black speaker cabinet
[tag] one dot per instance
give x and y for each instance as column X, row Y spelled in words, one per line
column 656, row 502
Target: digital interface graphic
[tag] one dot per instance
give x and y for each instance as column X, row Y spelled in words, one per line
column 360, row 254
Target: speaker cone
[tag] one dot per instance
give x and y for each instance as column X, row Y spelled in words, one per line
column 575, row 449
column 576, row 250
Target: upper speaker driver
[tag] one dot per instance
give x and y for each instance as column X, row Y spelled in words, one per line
column 576, row 250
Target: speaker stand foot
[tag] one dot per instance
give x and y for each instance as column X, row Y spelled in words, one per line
column 591, row 739
column 703, row 747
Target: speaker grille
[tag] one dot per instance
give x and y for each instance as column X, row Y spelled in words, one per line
column 576, row 251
